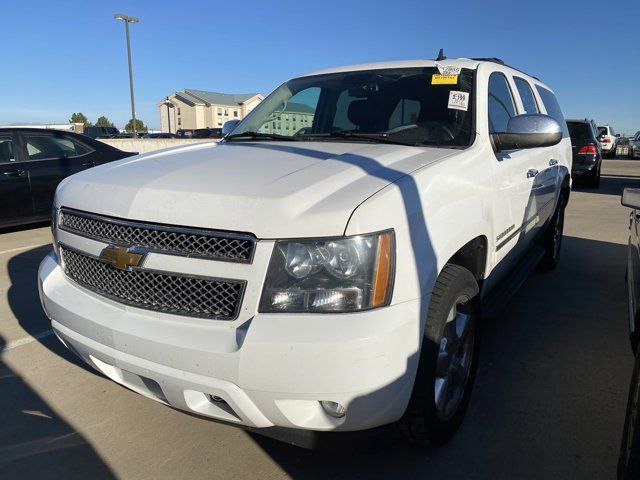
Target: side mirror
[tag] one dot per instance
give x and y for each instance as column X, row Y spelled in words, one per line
column 631, row 198
column 229, row 126
column 528, row 131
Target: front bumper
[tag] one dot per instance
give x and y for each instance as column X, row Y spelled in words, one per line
column 270, row 371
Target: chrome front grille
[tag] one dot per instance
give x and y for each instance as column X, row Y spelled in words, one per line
column 178, row 294
column 213, row 245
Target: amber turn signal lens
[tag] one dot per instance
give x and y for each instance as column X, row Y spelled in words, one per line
column 382, row 280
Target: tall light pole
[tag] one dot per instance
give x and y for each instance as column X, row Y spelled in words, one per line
column 127, row 20
column 169, row 106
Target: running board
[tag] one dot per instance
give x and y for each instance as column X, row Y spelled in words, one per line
column 503, row 292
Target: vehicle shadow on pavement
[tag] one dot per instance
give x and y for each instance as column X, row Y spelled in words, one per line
column 611, row 184
column 550, row 391
column 24, row 301
column 35, row 442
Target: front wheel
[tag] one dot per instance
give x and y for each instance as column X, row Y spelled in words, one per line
column 448, row 360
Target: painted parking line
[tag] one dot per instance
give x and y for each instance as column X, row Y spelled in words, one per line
column 19, row 249
column 26, row 340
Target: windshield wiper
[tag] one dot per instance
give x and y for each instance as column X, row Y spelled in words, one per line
column 260, row 136
column 380, row 137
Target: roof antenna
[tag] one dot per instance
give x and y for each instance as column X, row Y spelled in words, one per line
column 441, row 55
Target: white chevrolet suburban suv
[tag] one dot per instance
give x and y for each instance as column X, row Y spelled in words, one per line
column 326, row 266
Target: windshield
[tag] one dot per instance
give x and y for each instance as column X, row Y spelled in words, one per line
column 412, row 106
column 603, row 131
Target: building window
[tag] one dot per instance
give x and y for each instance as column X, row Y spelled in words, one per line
column 226, row 112
column 179, row 121
column 219, row 111
column 219, row 122
column 235, row 113
column 178, row 110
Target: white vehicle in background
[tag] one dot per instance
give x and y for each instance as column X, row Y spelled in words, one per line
column 634, row 146
column 608, row 140
column 324, row 267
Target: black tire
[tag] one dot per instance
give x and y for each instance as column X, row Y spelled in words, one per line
column 629, row 461
column 423, row 422
column 552, row 237
column 594, row 181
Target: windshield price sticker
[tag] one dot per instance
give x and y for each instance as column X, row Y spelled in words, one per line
column 448, row 69
column 458, row 100
column 438, row 79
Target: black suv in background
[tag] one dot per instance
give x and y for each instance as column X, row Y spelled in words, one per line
column 207, row 133
column 101, row 132
column 587, row 156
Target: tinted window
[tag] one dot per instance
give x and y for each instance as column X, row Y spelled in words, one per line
column 553, row 107
column 526, row 94
column 6, row 148
column 580, row 131
column 42, row 146
column 603, row 131
column 298, row 112
column 501, row 106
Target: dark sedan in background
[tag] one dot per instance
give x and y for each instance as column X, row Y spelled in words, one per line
column 587, row 155
column 32, row 163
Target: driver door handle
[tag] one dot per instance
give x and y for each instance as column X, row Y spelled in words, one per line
column 15, row 173
column 532, row 172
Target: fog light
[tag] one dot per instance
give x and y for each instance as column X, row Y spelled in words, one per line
column 334, row 409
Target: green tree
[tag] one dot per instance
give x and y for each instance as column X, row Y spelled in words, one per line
column 79, row 118
column 104, row 122
column 140, row 127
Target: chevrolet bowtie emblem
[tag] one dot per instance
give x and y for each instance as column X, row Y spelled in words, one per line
column 121, row 257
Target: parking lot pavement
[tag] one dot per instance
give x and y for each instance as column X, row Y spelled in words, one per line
column 549, row 400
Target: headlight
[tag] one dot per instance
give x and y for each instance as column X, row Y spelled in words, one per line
column 330, row 275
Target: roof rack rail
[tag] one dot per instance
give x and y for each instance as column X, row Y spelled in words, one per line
column 501, row 62
column 489, row 59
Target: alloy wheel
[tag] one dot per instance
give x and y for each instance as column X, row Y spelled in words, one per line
column 455, row 356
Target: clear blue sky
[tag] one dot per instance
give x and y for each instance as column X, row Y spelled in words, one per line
column 66, row 56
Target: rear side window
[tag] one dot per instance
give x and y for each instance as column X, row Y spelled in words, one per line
column 44, row 146
column 579, row 131
column 501, row 106
column 553, row 108
column 526, row 94
column 6, row 148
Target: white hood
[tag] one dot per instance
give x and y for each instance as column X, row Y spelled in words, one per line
column 270, row 189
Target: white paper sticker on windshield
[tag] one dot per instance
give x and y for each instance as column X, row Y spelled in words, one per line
column 448, row 69
column 458, row 100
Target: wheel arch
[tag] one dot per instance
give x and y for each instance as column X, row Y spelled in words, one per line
column 472, row 256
